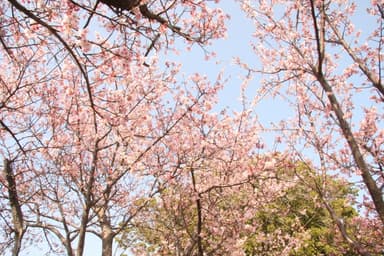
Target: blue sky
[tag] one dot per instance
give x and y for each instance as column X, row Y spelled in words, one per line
column 237, row 44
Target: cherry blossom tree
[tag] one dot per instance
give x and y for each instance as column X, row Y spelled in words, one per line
column 314, row 57
column 212, row 194
column 85, row 106
column 100, row 134
column 273, row 211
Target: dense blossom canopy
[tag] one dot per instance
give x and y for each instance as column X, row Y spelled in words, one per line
column 101, row 133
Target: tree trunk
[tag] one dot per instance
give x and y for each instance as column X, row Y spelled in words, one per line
column 107, row 241
column 82, row 232
column 17, row 214
column 199, row 217
column 368, row 180
column 374, row 190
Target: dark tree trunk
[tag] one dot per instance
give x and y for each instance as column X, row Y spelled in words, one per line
column 17, row 214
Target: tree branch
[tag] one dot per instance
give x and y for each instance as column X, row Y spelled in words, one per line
column 27, row 12
column 13, row 135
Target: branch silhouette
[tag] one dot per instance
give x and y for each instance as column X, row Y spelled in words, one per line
column 120, row 6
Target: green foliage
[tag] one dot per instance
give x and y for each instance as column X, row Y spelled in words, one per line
column 161, row 228
column 297, row 215
column 300, row 214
